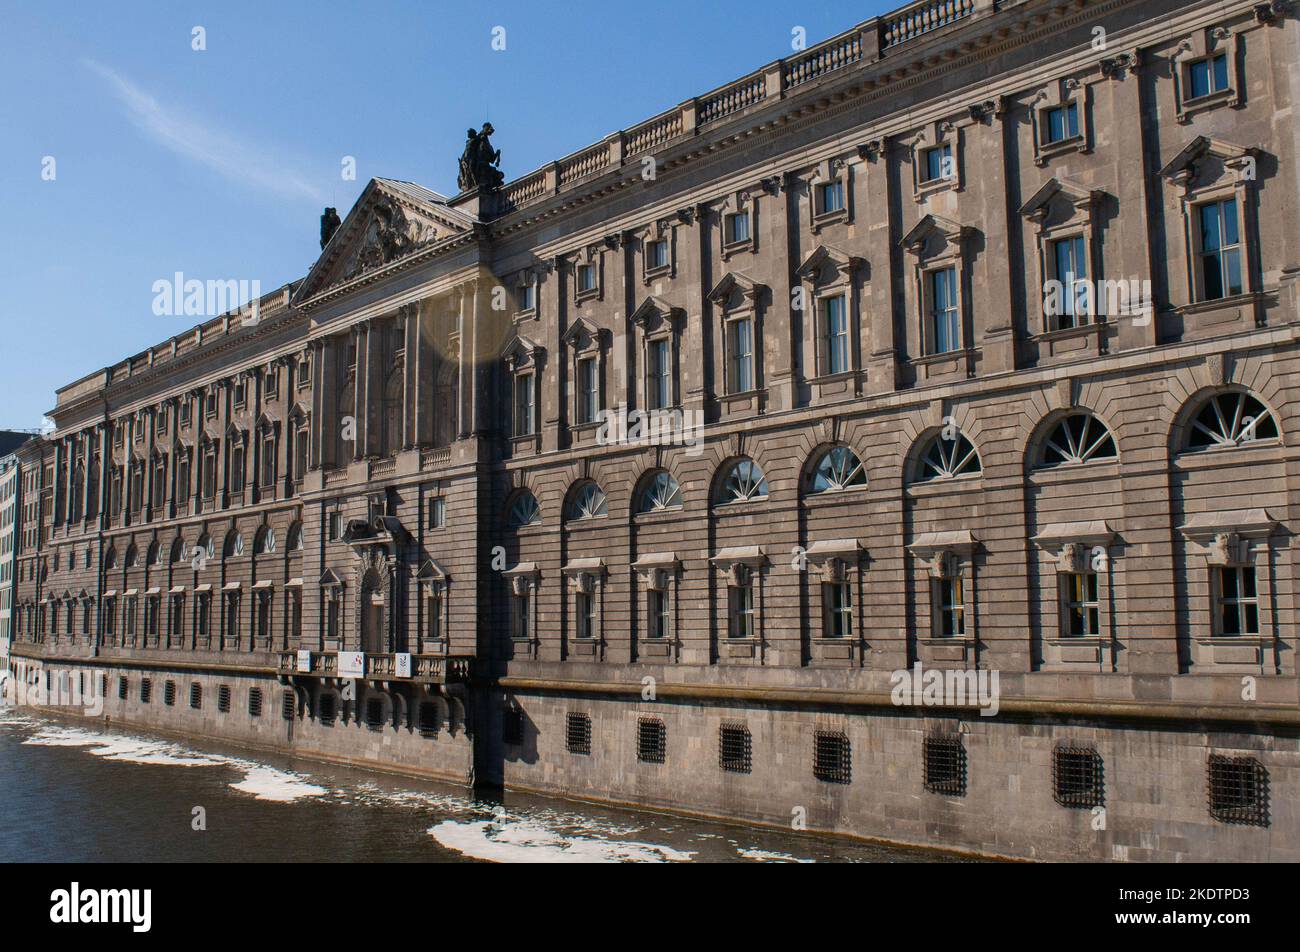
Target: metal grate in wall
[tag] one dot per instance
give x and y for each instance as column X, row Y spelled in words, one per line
column 255, row 702
column 577, row 733
column 832, row 757
column 1078, row 778
column 945, row 765
column 651, row 740
column 1238, row 790
column 734, row 748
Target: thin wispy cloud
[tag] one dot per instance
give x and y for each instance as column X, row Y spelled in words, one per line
column 190, row 136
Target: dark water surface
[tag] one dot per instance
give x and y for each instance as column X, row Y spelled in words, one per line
column 75, row 792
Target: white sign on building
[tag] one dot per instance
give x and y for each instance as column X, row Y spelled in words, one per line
column 352, row 664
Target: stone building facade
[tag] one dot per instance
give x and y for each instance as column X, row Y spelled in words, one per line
column 965, row 340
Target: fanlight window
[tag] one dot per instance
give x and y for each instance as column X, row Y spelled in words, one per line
column 1231, row 419
column 154, row 555
column 110, row 560
column 178, row 551
column 525, row 511
column 295, row 537
column 662, row 492
column 838, row 468
column 945, row 458
column 264, row 541
column 588, row 502
column 745, row 481
column 205, row 545
column 1079, row 438
column 234, row 545
column 132, row 557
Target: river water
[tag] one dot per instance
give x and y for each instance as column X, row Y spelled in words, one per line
column 74, row 792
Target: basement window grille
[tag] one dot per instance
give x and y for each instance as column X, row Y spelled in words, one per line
column 255, row 702
column 146, row 690
column 287, row 706
column 196, row 695
column 945, row 765
column 428, row 718
column 734, row 748
column 375, row 714
column 651, row 740
column 577, row 733
column 1077, row 777
column 1238, row 790
column 121, row 689
column 223, row 699
column 832, row 757
column 169, row 693
column 512, row 727
column 328, row 709
column 103, row 685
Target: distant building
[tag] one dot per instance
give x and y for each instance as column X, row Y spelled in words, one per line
column 975, row 330
column 9, row 503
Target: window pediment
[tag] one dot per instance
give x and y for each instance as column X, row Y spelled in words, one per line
column 827, row 265
column 583, row 335
column 655, row 313
column 1204, row 160
column 521, row 352
column 1058, row 191
column 736, row 291
column 932, row 232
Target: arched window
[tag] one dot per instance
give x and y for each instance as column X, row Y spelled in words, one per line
column 178, row 550
column 295, row 537
column 838, row 468
column 234, row 544
column 660, row 492
column 744, row 481
column 588, row 503
column 1231, row 419
column 206, row 546
column 944, row 458
column 264, row 541
column 110, row 558
column 1078, row 438
column 132, row 556
column 525, row 511
column 154, row 555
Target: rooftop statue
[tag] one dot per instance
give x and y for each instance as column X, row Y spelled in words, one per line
column 479, row 161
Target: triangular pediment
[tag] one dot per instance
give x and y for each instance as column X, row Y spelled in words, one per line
column 1200, row 147
column 824, row 256
column 431, row 571
column 520, row 350
column 732, row 282
column 932, row 226
column 390, row 222
column 1073, row 193
column 653, row 310
column 580, row 333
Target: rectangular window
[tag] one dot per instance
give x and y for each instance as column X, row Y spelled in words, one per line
column 268, row 461
column 944, row 331
column 1238, row 790
column 1082, row 609
column 300, row 447
column 949, row 607
column 527, row 297
column 1237, row 607
column 657, row 612
column 241, row 393
column 651, row 741
column 433, row 613
column 588, row 390
column 735, row 748
column 659, row 391
column 236, row 469
column 176, row 626
column 658, row 254
column 524, row 405
column 586, row 277
column 945, row 765
column 742, row 354
column 1207, row 76
column 835, row 334
column 1220, row 251
column 437, row 512
column 129, row 610
column 741, row 606
column 185, row 413
column 1070, row 269
column 270, row 384
column 520, row 622
column 938, row 164
column 232, row 618
column 196, row 696
column 334, row 521
column 304, row 371
column 264, row 615
column 333, row 613
column 832, row 757
column 737, row 228
column 110, row 616
column 203, row 616
column 837, row 601
column 152, row 605
column 1062, row 123
column 831, row 197
column 584, row 610
column 209, row 474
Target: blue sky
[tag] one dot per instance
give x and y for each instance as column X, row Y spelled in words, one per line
column 216, row 163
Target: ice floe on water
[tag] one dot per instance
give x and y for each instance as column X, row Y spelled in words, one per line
column 263, row 782
column 508, row 839
column 533, row 834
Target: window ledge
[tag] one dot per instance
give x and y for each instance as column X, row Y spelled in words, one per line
column 1214, row 304
column 739, row 395
column 956, row 354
